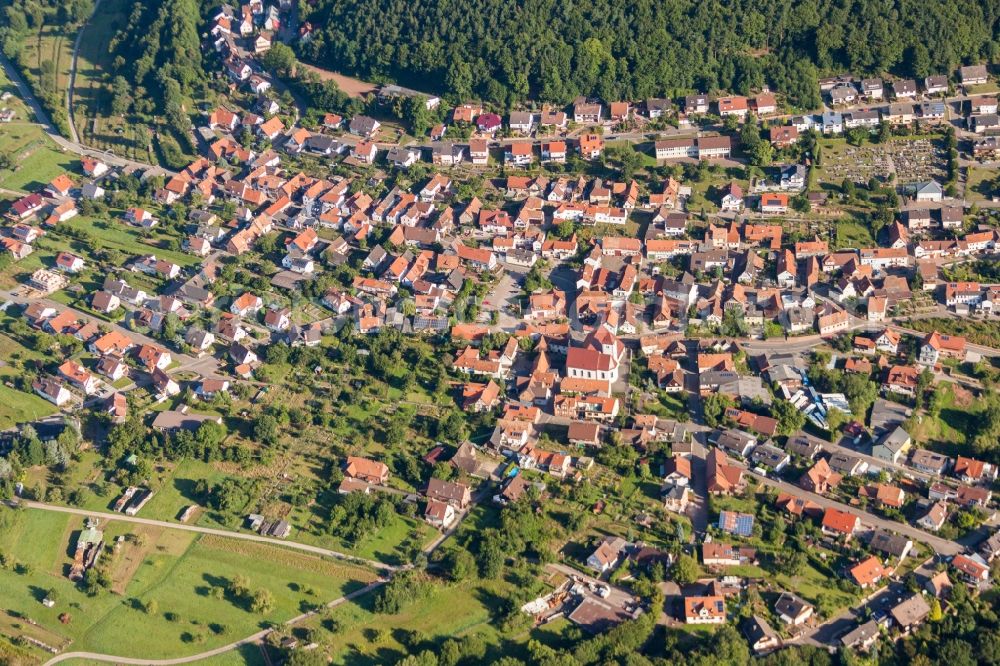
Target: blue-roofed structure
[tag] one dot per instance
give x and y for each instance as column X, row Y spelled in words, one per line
column 736, row 523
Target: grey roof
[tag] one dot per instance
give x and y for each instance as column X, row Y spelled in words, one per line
column 768, row 454
column 886, row 415
column 401, row 154
column 363, row 125
column 843, row 463
column 911, row 611
column 734, row 440
column 783, row 373
column 747, row 388
column 896, row 440
column 320, row 143
column 889, row 543
column 860, row 634
column 790, row 605
column 803, row 446
column 756, row 629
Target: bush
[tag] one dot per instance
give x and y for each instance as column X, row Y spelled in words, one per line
column 405, row 588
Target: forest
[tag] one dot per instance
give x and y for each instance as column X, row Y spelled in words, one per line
column 554, row 51
column 157, row 69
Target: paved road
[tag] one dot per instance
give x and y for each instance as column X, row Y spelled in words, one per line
column 72, row 146
column 253, row 638
column 206, row 366
column 833, row 447
column 940, row 545
column 208, row 530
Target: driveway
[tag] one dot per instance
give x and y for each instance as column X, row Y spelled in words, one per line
column 503, row 295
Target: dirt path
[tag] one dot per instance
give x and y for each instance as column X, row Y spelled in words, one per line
column 72, row 74
column 350, row 85
column 380, row 566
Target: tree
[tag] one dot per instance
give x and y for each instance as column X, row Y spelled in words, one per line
column 460, row 564
column 884, row 131
column 857, row 135
column 302, row 657
column 262, row 602
column 265, row 429
column 715, row 406
column 761, row 154
column 535, row 280
column 491, row 554
column 280, row 59
column 730, row 648
column 564, row 229
column 936, row 614
column 790, row 418
column 733, row 324
column 404, row 588
column 685, row 570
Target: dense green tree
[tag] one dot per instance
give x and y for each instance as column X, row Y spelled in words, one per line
column 504, row 53
column 685, row 569
column 790, row 418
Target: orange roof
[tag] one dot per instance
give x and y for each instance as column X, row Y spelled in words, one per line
column 619, row 108
column 953, row 343
column 867, row 572
column 711, row 607
column 732, row 103
column 591, row 142
column 112, row 341
column 74, row 372
column 272, row 126
column 305, row 240
column 61, row 183
column 773, row 199
column 969, row 467
column 889, row 495
column 363, row 467
column 521, row 148
column 840, row 521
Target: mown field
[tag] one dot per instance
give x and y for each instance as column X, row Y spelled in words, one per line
column 17, row 406
column 170, row 583
column 35, row 158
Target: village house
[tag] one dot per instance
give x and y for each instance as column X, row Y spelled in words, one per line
column 366, row 470
column 607, row 555
column 840, row 524
column 705, row 610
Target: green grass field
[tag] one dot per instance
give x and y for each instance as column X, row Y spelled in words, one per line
column 850, row 233
column 173, row 494
column 19, row 407
column 452, row 610
column 245, row 655
column 36, row 159
column 176, row 570
column 974, row 185
column 386, row 545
